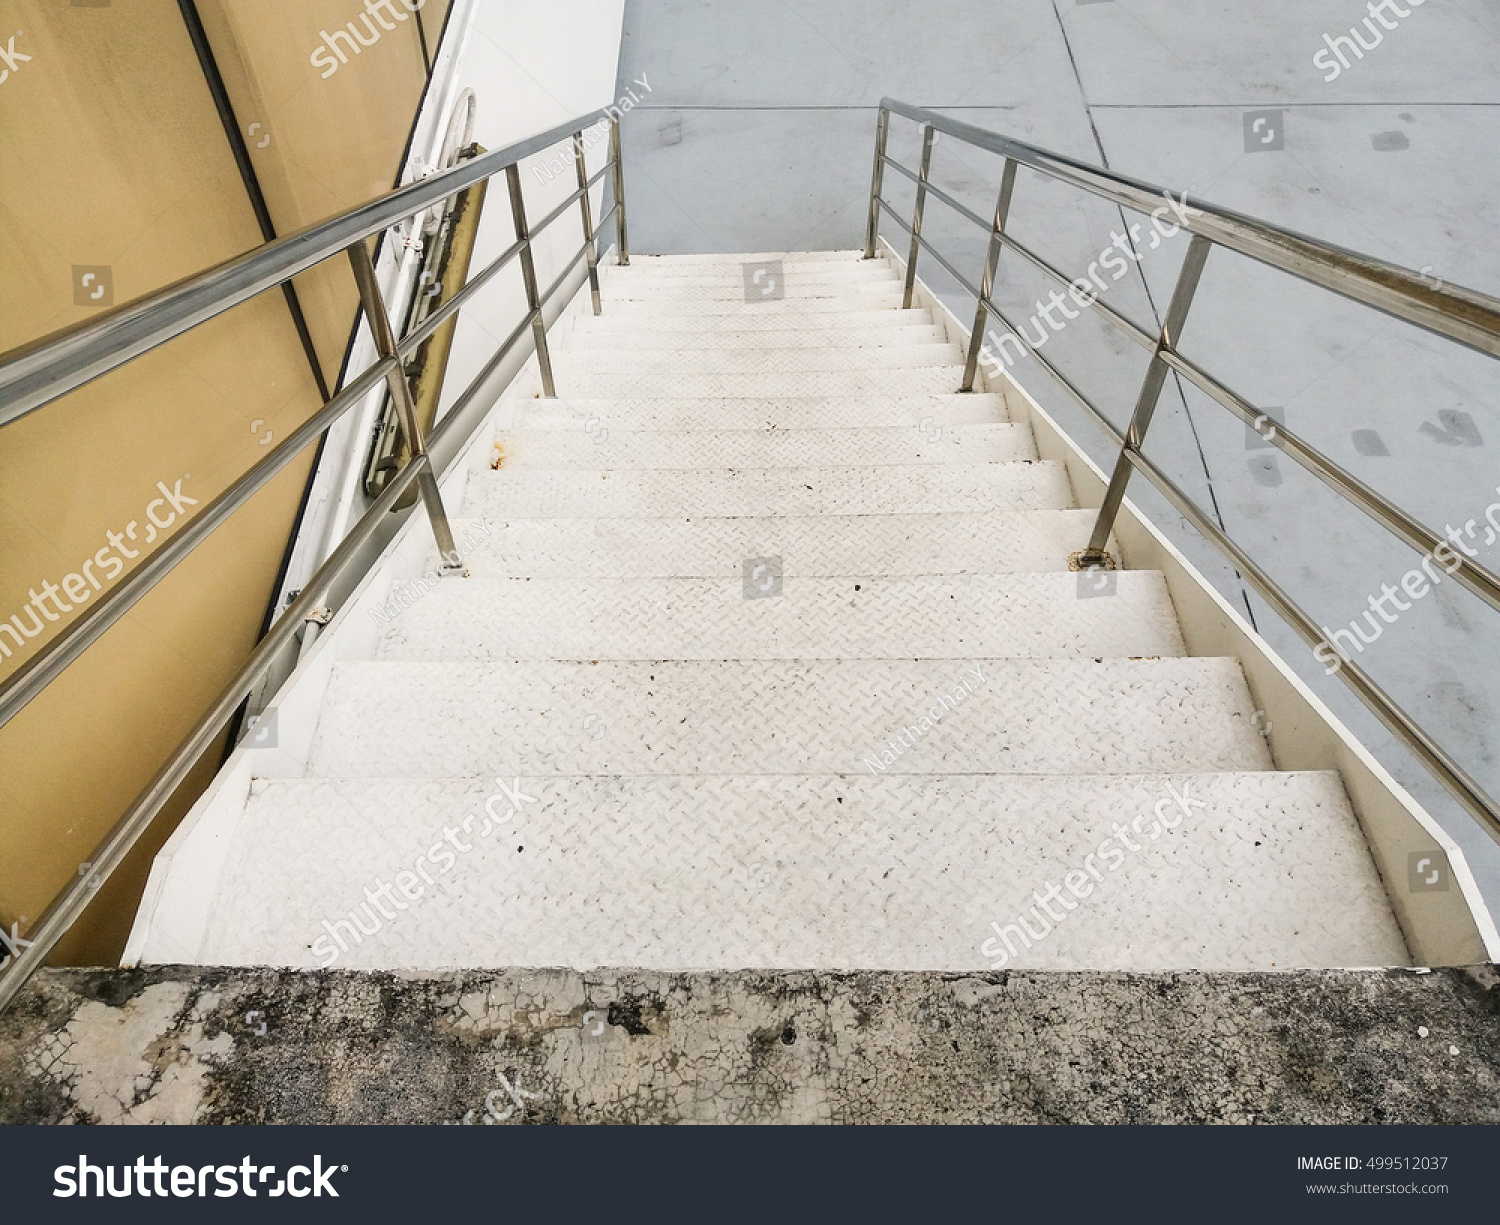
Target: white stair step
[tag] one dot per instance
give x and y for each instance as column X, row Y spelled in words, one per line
column 640, row 339
column 544, row 493
column 733, row 276
column 596, row 447
column 849, row 292
column 765, row 413
column 802, row 872
column 730, row 312
column 828, row 546
column 639, row 319
column 599, row 384
column 752, row 359
column 810, row 281
column 711, row 259
column 423, row 720
column 1011, row 616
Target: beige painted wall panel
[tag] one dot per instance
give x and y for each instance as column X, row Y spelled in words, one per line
column 321, row 144
column 112, row 155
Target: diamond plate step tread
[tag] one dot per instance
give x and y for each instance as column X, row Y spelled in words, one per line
column 920, row 381
column 711, row 259
column 820, row 309
column 758, row 360
column 593, row 447
column 858, row 546
column 635, row 317
column 793, row 289
column 420, row 720
column 592, row 339
column 731, row 278
column 785, row 412
column 541, row 493
column 1261, row 871
column 1013, row 616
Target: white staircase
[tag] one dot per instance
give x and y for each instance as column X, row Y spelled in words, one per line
column 728, row 582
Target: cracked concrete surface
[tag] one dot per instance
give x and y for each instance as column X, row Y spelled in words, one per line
column 191, row 1045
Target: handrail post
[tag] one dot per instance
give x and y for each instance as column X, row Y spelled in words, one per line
column 877, row 181
column 528, row 275
column 987, row 280
column 1145, row 406
column 588, row 221
column 406, row 410
column 928, row 137
column 618, row 178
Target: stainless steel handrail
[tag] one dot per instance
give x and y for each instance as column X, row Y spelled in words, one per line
column 40, row 372
column 37, row 373
column 1461, row 315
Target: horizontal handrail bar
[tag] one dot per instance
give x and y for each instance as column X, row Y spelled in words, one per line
column 73, row 900
column 958, row 206
column 538, row 226
column 38, row 672
column 1465, row 316
column 38, row 373
column 971, row 289
column 45, row 369
column 1457, row 780
column 456, row 303
column 42, row 668
column 1461, row 783
column 1462, row 315
column 1116, row 435
column 895, row 216
column 1123, row 322
column 1478, row 579
column 1481, row 581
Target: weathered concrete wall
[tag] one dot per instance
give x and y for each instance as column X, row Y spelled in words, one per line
column 188, row 1045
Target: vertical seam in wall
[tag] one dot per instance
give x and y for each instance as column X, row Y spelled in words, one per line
column 1208, row 475
column 248, row 177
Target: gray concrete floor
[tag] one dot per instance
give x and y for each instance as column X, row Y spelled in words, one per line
column 236, row 1045
column 757, row 135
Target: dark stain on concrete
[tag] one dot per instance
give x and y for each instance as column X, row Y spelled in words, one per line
column 218, row 1045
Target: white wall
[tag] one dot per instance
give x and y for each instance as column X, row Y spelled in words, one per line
column 532, row 65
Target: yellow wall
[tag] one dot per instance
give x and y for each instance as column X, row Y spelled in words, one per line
column 112, row 154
